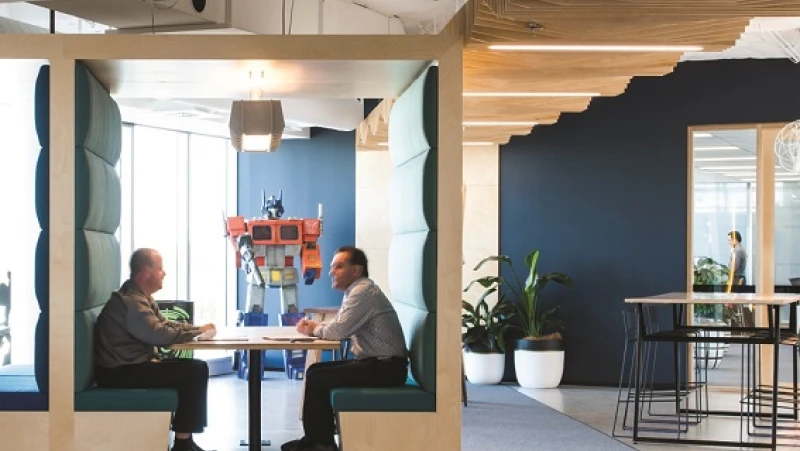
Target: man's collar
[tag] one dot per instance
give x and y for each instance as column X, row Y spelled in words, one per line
column 352, row 285
column 132, row 286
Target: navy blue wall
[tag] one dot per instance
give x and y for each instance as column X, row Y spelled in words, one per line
column 310, row 171
column 603, row 194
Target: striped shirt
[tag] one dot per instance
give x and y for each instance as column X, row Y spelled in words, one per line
column 369, row 319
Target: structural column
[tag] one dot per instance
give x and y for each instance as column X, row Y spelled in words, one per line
column 62, row 254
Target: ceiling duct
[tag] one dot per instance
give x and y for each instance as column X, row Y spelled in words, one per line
column 256, row 125
column 229, row 16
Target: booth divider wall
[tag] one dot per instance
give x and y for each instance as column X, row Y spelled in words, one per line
column 98, row 129
column 413, row 140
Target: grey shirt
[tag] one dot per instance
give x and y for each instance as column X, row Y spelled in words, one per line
column 130, row 326
column 369, row 319
column 739, row 259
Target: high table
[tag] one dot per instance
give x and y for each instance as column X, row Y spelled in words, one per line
column 254, row 340
column 771, row 334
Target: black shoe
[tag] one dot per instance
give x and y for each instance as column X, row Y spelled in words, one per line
column 183, row 444
column 294, row 445
column 186, row 444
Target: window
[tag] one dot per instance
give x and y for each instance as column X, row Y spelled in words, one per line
column 176, row 187
column 19, row 228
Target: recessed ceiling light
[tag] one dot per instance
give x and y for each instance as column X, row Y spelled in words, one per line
column 703, row 135
column 466, row 143
column 726, row 159
column 531, row 94
column 498, row 123
column 717, row 148
column 596, row 48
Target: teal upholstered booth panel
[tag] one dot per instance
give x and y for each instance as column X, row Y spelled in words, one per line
column 98, row 194
column 128, row 400
column 419, row 327
column 41, row 349
column 98, row 145
column 408, row 398
column 413, row 258
column 412, row 283
column 413, row 202
column 413, row 121
column 98, row 254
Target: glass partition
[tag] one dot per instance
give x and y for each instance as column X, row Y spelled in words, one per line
column 724, row 201
column 724, row 228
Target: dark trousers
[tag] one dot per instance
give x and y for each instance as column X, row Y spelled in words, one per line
column 318, row 419
column 188, row 376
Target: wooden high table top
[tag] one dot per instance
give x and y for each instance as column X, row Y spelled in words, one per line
column 717, row 298
column 271, row 337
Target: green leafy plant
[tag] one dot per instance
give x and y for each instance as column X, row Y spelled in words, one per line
column 486, row 327
column 180, row 315
column 537, row 322
column 707, row 271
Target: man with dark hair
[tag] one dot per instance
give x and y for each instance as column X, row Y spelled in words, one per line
column 128, row 330
column 738, row 259
column 379, row 347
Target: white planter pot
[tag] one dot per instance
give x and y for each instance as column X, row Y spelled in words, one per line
column 484, row 368
column 538, row 369
column 709, row 355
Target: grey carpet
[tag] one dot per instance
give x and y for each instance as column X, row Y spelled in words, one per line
column 499, row 417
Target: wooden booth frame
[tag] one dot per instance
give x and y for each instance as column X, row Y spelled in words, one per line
column 63, row 429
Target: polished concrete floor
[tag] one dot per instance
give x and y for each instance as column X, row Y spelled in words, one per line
column 595, row 407
column 227, row 412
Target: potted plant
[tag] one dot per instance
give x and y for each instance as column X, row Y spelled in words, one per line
column 539, row 355
column 708, row 271
column 483, row 338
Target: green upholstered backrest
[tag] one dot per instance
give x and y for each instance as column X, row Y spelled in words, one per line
column 41, row 349
column 412, row 257
column 98, row 143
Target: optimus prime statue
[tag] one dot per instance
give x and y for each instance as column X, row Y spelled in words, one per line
column 266, row 248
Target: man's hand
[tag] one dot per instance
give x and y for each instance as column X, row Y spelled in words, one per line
column 306, row 327
column 207, row 327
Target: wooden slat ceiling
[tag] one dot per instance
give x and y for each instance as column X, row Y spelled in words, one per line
column 713, row 24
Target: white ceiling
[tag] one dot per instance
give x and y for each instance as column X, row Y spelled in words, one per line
column 765, row 37
column 729, row 156
column 418, row 16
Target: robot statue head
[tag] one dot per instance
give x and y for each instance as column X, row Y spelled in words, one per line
column 271, row 208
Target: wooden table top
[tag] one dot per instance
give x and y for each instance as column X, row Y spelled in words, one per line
column 271, row 337
column 331, row 309
column 717, row 298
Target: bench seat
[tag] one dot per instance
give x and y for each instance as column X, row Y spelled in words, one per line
column 18, row 389
column 408, row 398
column 97, row 399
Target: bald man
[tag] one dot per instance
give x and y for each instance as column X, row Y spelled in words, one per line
column 129, row 329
